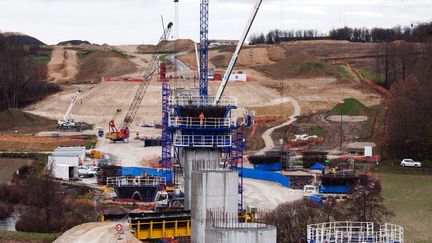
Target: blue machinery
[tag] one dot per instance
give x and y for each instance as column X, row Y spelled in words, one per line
column 200, row 127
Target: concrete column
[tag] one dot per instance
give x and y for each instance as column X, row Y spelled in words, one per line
column 212, row 189
column 248, row 234
column 188, row 155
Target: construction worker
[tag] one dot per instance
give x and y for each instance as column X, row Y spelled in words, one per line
column 201, row 117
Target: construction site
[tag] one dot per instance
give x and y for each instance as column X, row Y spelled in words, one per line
column 214, row 141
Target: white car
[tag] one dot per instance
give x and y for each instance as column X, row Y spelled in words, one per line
column 84, row 171
column 410, row 163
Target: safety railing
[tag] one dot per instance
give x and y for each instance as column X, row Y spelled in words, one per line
column 135, row 181
column 201, row 101
column 202, row 141
column 390, row 233
column 200, row 122
column 219, row 219
column 348, row 231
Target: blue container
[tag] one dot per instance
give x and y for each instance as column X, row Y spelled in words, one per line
column 334, row 189
column 266, row 176
column 277, row 166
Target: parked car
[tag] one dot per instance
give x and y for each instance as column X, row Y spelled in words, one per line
column 85, row 171
column 410, row 163
column 93, row 171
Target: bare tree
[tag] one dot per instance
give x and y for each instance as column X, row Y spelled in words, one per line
column 366, row 204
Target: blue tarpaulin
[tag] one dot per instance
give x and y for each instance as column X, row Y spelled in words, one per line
column 317, row 166
column 336, row 189
column 266, row 176
column 138, row 171
column 316, row 198
column 277, row 166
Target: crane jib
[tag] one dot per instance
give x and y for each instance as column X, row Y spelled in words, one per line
column 151, row 69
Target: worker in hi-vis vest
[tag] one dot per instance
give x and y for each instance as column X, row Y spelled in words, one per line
column 201, row 117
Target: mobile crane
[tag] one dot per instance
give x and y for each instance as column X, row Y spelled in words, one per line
column 236, row 53
column 123, row 132
column 68, row 123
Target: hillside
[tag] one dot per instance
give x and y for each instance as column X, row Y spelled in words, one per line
column 21, row 39
column 182, row 45
column 13, row 120
column 297, row 65
column 93, row 65
column 73, row 42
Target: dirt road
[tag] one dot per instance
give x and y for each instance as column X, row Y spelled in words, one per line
column 96, row 233
column 268, row 140
column 63, row 65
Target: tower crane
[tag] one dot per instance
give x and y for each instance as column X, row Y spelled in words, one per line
column 122, row 133
column 236, row 53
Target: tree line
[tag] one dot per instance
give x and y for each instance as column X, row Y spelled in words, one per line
column 365, row 204
column 414, row 33
column 406, row 69
column 22, row 80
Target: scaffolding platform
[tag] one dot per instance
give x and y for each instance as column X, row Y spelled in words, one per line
column 202, row 141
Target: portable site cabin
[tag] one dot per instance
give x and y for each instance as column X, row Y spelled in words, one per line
column 81, row 151
column 64, row 166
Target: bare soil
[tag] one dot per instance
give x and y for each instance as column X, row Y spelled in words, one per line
column 98, row 64
column 16, row 143
column 170, row 46
column 63, row 65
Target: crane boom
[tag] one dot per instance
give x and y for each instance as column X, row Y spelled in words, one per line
column 142, row 88
column 236, row 53
column 66, row 116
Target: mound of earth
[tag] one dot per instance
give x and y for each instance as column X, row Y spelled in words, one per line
column 170, row 46
column 14, row 38
column 93, row 65
column 73, row 42
column 297, row 65
column 350, row 107
column 15, row 120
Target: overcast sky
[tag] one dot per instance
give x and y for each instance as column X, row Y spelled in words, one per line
column 138, row 21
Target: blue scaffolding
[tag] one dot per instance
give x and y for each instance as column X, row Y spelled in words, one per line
column 203, row 84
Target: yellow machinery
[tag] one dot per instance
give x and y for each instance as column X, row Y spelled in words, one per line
column 162, row 229
column 96, row 154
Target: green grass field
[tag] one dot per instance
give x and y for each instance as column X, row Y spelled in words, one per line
column 27, row 237
column 344, row 73
column 8, row 166
column 409, row 196
column 350, row 107
column 369, row 75
column 42, row 59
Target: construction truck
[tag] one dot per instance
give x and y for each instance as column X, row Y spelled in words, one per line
column 68, row 123
column 169, row 199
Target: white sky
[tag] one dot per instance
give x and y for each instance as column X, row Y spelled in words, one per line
column 138, row 21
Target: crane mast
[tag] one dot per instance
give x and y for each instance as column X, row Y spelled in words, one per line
column 142, row 88
column 204, row 15
column 233, row 61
